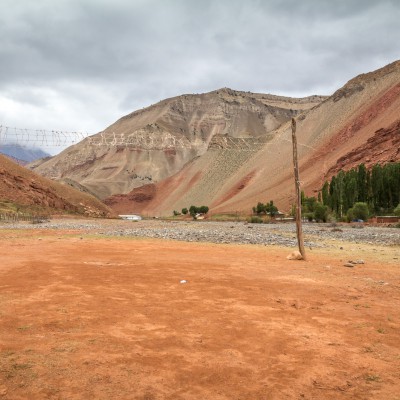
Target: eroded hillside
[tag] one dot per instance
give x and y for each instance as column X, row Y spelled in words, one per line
column 229, row 149
column 33, row 193
column 150, row 145
column 358, row 123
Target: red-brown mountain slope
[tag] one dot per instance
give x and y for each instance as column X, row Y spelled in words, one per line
column 358, row 123
column 32, row 192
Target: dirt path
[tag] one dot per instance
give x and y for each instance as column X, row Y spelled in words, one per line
column 105, row 318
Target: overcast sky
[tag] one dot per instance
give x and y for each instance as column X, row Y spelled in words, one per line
column 82, row 64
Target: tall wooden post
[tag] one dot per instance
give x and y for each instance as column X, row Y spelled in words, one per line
column 299, row 229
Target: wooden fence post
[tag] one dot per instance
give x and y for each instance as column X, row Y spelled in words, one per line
column 299, row 229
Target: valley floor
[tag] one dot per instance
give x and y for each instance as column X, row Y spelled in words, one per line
column 89, row 311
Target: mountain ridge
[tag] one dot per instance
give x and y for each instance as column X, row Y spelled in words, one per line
column 327, row 135
column 230, row 149
column 149, row 145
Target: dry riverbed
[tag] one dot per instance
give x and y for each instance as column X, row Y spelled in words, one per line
column 116, row 310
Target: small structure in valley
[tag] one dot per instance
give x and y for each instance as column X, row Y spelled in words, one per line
column 131, row 217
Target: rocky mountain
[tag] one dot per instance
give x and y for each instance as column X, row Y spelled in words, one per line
column 150, row 145
column 229, row 149
column 358, row 123
column 22, row 189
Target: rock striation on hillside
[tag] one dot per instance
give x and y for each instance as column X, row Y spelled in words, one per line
column 229, row 150
column 359, row 123
column 152, row 144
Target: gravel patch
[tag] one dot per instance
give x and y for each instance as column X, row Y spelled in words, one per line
column 282, row 234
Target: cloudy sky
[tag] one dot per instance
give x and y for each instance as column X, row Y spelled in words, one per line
column 81, row 64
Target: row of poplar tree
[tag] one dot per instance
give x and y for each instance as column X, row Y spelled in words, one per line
column 378, row 187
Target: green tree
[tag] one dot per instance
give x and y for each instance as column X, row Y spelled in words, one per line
column 362, row 189
column 203, row 209
column 271, row 209
column 397, row 210
column 260, row 208
column 184, row 211
column 350, row 215
column 192, row 210
column 320, row 212
column 333, row 200
column 377, row 187
column 325, row 194
column 340, row 192
column 349, row 190
column 360, row 211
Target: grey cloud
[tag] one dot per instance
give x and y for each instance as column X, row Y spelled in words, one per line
column 141, row 51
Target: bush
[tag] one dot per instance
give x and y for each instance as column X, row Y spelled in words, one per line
column 268, row 208
column 185, row 211
column 350, row 215
column 308, row 216
column 360, row 211
column 193, row 210
column 203, row 210
column 255, row 220
column 260, row 208
column 176, row 213
column 320, row 212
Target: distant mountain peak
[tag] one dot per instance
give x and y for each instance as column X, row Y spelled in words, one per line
column 23, row 154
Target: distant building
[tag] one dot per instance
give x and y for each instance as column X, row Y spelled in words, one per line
column 131, row 217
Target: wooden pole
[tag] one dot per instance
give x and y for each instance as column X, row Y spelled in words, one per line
column 299, row 229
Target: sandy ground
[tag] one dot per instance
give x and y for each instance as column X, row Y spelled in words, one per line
column 83, row 317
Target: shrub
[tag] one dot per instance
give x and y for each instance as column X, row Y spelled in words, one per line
column 193, row 210
column 320, row 212
column 309, row 216
column 185, row 211
column 350, row 215
column 203, row 209
column 268, row 208
column 360, row 211
column 256, row 220
column 260, row 208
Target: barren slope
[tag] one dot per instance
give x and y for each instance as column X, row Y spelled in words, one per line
column 152, row 144
column 30, row 191
column 358, row 123
column 105, row 318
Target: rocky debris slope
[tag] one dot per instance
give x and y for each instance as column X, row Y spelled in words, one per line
column 281, row 234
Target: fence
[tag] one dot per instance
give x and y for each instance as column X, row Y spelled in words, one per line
column 17, row 217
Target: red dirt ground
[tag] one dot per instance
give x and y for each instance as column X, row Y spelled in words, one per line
column 90, row 318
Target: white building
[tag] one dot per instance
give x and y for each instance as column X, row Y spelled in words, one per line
column 131, row 217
